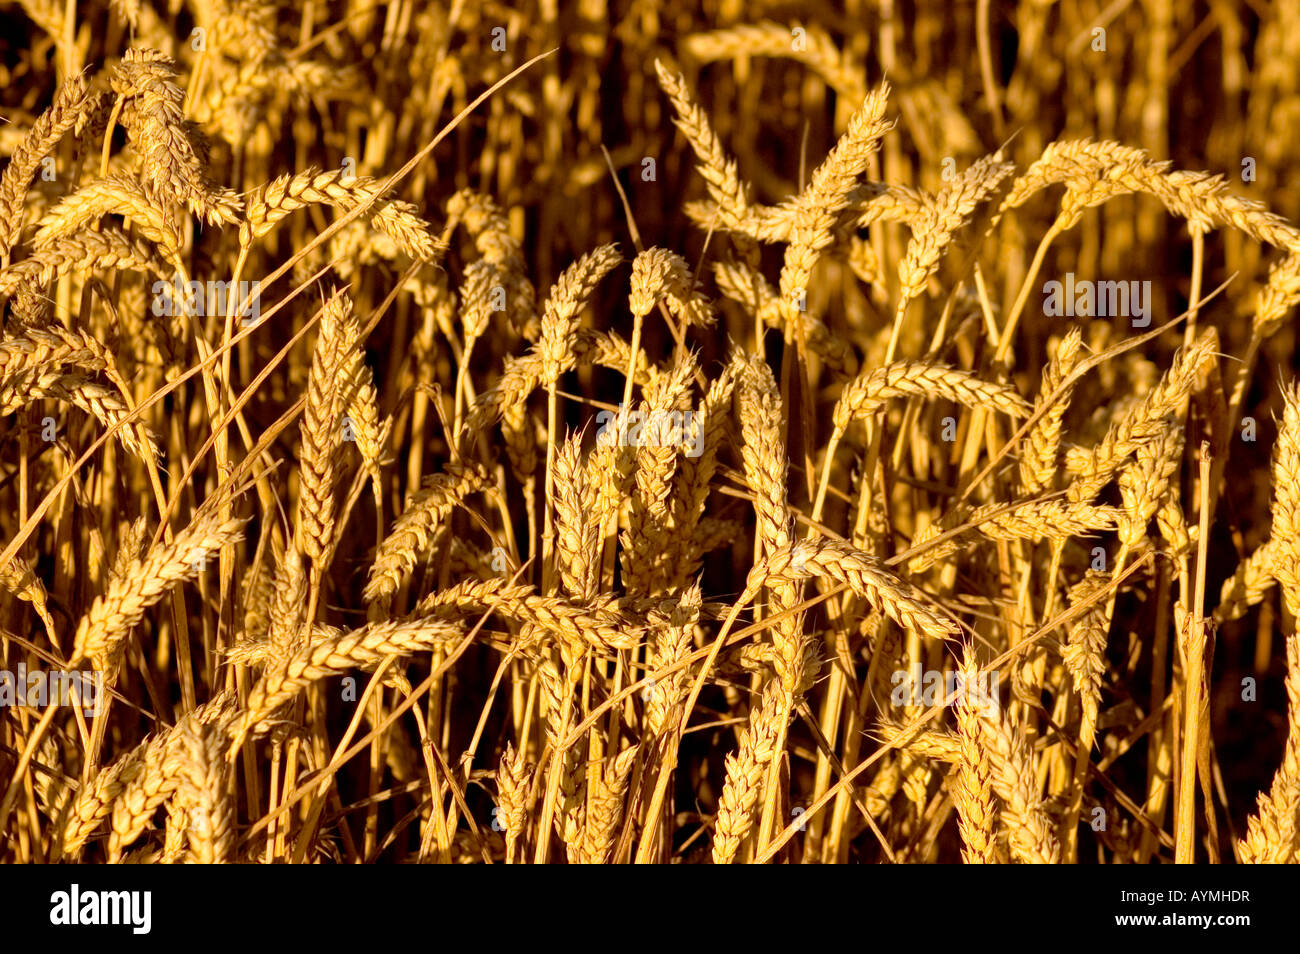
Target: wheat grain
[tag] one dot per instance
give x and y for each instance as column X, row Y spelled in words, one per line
column 868, row 392
column 101, row 633
column 414, row 529
column 72, row 103
column 267, row 205
column 111, row 195
column 156, row 126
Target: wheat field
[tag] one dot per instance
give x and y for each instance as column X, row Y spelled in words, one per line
column 585, row 432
